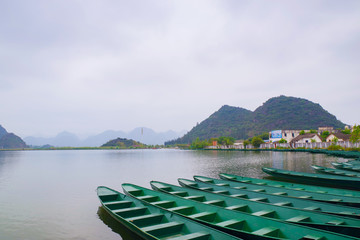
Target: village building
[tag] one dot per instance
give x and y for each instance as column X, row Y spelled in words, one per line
column 329, row 129
column 239, row 143
column 288, row 135
column 341, row 137
column 307, row 138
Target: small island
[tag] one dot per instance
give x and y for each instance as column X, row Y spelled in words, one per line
column 123, row 143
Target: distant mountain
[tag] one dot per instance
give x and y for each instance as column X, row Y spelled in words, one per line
column 66, row 139
column 99, row 139
column 2, row 131
column 277, row 113
column 10, row 140
column 150, row 137
column 63, row 139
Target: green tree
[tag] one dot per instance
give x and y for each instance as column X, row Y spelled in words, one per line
column 313, row 131
column 246, row 142
column 302, row 132
column 324, row 135
column 226, row 141
column 256, row 142
column 230, row 141
column 346, row 131
column 355, row 135
column 282, row 141
column 264, row 136
column 198, row 144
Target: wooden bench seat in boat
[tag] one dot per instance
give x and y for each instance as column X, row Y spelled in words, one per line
column 222, row 192
column 146, row 220
column 179, row 193
column 285, row 204
column 130, row 212
column 299, row 219
column 239, row 195
column 267, row 231
column 264, row 213
column 206, row 216
column 241, row 208
column 182, row 209
column 231, row 223
column 148, row 198
column 193, row 236
column 118, row 204
column 216, row 202
column 164, row 204
column 163, row 229
column 199, row 198
column 260, row 199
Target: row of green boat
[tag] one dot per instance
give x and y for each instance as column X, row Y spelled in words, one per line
column 236, row 207
column 334, row 153
column 346, row 174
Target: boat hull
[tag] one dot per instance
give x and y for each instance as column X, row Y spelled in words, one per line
column 315, row 179
column 273, row 199
column 240, row 224
column 346, row 166
column 337, row 172
column 289, row 185
column 151, row 222
column 292, row 193
column 333, row 223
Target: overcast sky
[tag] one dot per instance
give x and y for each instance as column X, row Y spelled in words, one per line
column 89, row 66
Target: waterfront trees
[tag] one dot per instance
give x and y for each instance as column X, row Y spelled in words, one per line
column 355, row 135
column 256, row 141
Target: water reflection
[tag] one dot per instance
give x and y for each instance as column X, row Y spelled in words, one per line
column 59, row 186
column 7, row 161
column 8, row 157
column 114, row 225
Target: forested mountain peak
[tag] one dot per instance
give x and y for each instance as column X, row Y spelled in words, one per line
column 276, row 113
column 293, row 113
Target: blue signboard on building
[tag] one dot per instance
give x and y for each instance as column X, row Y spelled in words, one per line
column 276, row 134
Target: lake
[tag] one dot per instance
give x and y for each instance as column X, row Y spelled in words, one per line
column 52, row 194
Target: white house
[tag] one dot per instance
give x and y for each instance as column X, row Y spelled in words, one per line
column 341, row 137
column 307, row 138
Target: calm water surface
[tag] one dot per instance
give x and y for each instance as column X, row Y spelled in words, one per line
column 51, row 194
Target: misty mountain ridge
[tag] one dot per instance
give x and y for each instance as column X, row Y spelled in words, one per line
column 10, row 140
column 140, row 134
column 276, row 113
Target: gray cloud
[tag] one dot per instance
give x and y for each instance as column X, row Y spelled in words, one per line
column 88, row 66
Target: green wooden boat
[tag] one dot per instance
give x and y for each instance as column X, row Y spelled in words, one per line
column 293, row 193
column 315, row 178
column 333, row 223
column 237, row 223
column 289, row 185
column 334, row 171
column 346, row 166
column 274, row 199
column 353, row 162
column 150, row 222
